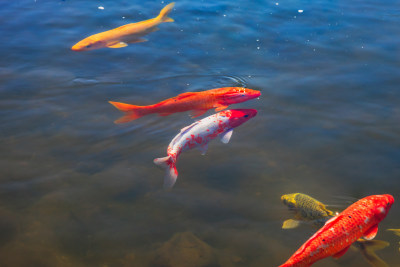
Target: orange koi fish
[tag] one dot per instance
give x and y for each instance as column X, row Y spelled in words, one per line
column 198, row 102
column 121, row 36
column 360, row 219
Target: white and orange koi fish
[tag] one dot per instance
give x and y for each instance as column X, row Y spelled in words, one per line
column 198, row 135
column 121, row 36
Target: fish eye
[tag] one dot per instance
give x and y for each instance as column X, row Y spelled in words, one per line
column 88, row 46
column 246, row 115
column 242, row 94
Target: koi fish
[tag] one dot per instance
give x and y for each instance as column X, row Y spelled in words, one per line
column 121, row 36
column 309, row 209
column 198, row 102
column 360, row 219
column 305, row 208
column 198, row 134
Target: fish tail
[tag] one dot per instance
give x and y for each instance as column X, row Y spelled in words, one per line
column 163, row 16
column 368, row 248
column 171, row 173
column 132, row 112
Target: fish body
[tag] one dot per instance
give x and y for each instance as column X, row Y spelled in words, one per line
column 198, row 102
column 198, row 135
column 309, row 209
column 360, row 219
column 305, row 208
column 121, row 36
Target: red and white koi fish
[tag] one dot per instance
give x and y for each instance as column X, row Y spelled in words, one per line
column 360, row 219
column 198, row 102
column 199, row 134
column 121, row 36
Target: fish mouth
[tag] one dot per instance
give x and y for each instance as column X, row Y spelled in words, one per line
column 75, row 48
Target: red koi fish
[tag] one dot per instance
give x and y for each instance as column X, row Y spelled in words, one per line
column 199, row 134
column 198, row 102
column 361, row 219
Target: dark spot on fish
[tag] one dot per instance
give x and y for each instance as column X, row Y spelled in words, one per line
column 245, row 116
column 349, row 216
column 323, row 240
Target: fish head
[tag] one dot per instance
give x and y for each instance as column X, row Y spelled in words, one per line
column 239, row 116
column 289, row 200
column 87, row 44
column 381, row 204
column 233, row 95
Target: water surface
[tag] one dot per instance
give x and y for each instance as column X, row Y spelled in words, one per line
column 78, row 190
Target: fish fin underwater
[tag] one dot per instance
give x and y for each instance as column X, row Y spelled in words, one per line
column 132, row 112
column 226, row 136
column 368, row 247
column 171, row 173
column 371, row 233
column 118, row 45
column 341, row 253
column 290, row 224
column 163, row 16
column 221, row 107
column 197, row 113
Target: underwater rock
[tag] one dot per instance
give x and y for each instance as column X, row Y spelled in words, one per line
column 185, row 250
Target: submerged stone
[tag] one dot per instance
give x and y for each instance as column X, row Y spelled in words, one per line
column 185, row 250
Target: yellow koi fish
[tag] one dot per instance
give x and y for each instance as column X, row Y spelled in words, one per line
column 121, row 36
column 308, row 209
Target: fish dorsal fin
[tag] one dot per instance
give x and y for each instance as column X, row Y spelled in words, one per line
column 290, row 224
column 371, row 232
column 341, row 253
column 182, row 132
column 226, row 136
column 331, row 220
column 184, row 95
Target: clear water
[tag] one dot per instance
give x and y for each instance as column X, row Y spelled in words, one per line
column 78, row 190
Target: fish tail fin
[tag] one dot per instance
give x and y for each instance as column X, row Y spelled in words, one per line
column 368, row 248
column 171, row 173
column 132, row 112
column 163, row 16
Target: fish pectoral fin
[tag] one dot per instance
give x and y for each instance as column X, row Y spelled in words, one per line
column 290, row 224
column 226, row 136
column 198, row 112
column 221, row 107
column 371, row 232
column 203, row 149
column 118, row 45
column 341, row 253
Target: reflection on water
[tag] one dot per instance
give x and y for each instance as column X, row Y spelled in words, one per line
column 78, row 190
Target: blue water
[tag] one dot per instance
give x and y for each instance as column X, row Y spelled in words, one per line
column 78, row 190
